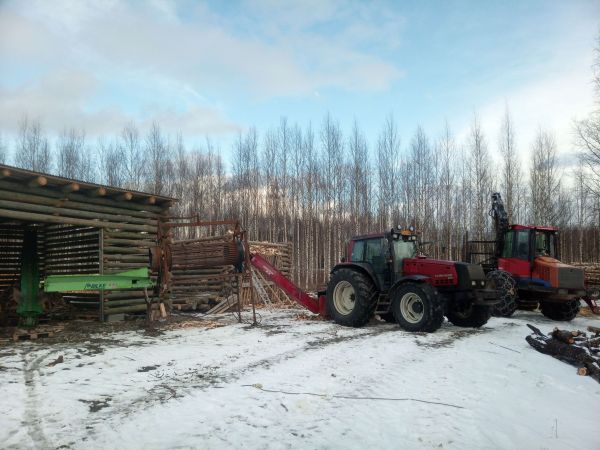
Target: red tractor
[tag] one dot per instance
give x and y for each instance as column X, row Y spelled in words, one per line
column 384, row 274
column 525, row 267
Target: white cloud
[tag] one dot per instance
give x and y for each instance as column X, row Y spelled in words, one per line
column 59, row 100
column 180, row 60
column 552, row 104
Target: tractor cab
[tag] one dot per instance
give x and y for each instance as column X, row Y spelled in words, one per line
column 528, row 242
column 384, row 253
column 524, row 244
column 403, row 244
column 531, row 254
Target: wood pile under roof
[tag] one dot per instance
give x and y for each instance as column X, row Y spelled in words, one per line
column 83, row 228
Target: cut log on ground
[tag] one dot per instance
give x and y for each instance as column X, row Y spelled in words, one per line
column 560, row 344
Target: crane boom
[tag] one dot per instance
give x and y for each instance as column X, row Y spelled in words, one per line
column 501, row 225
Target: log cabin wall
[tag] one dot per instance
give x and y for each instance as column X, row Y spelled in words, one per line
column 82, row 228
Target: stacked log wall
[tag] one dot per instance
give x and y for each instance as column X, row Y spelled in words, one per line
column 194, row 288
column 119, row 227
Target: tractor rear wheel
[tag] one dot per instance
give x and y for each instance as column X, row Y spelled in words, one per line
column 418, row 307
column 506, row 288
column 565, row 311
column 351, row 298
column 469, row 315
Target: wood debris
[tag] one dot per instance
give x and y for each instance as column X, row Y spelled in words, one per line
column 41, row 331
column 303, row 316
column 209, row 324
column 573, row 347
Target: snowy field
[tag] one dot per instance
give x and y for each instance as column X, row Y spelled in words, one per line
column 374, row 387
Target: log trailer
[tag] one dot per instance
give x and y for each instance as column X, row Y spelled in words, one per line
column 384, row 274
column 525, row 267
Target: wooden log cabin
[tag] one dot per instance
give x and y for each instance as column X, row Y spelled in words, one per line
column 80, row 228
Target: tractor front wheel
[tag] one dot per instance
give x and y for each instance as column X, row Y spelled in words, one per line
column 506, row 288
column 469, row 315
column 565, row 311
column 351, row 298
column 418, row 307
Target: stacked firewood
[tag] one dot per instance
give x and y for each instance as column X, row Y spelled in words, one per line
column 577, row 348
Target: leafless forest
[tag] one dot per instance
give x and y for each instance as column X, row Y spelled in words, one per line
column 315, row 186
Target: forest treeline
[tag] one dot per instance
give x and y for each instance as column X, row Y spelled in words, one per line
column 316, row 187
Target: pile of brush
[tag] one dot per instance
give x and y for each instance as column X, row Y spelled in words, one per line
column 573, row 347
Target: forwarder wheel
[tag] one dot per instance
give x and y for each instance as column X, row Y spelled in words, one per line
column 565, row 311
column 469, row 315
column 418, row 307
column 351, row 298
column 506, row 288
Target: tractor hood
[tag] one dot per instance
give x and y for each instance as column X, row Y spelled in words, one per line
column 447, row 273
column 557, row 274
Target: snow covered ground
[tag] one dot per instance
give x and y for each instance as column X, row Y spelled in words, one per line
column 210, row 388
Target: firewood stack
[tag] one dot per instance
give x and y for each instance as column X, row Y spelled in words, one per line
column 200, row 281
column 573, row 347
column 195, row 283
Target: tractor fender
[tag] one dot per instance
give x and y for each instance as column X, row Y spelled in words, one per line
column 360, row 267
column 407, row 279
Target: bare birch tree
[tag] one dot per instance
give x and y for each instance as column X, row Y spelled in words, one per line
column 480, row 178
column 32, row 148
column 544, row 180
column 511, row 174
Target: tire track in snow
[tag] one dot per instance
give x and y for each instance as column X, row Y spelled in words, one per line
column 33, row 401
column 182, row 384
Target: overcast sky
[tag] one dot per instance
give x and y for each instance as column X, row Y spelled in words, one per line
column 215, row 68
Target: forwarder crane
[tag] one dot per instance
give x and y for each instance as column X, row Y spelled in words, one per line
column 525, row 267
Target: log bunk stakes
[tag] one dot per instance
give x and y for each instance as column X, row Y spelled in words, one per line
column 52, row 226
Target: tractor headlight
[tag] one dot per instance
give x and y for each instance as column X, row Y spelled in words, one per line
column 482, row 282
column 473, row 283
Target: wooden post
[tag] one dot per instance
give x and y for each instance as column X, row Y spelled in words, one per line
column 239, row 297
column 101, row 270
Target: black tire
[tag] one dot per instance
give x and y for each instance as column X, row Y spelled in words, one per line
column 469, row 315
column 418, row 307
column 506, row 288
column 565, row 311
column 351, row 298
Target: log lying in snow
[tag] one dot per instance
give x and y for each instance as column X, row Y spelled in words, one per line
column 561, row 345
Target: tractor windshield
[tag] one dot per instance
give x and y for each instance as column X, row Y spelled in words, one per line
column 403, row 249
column 545, row 244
